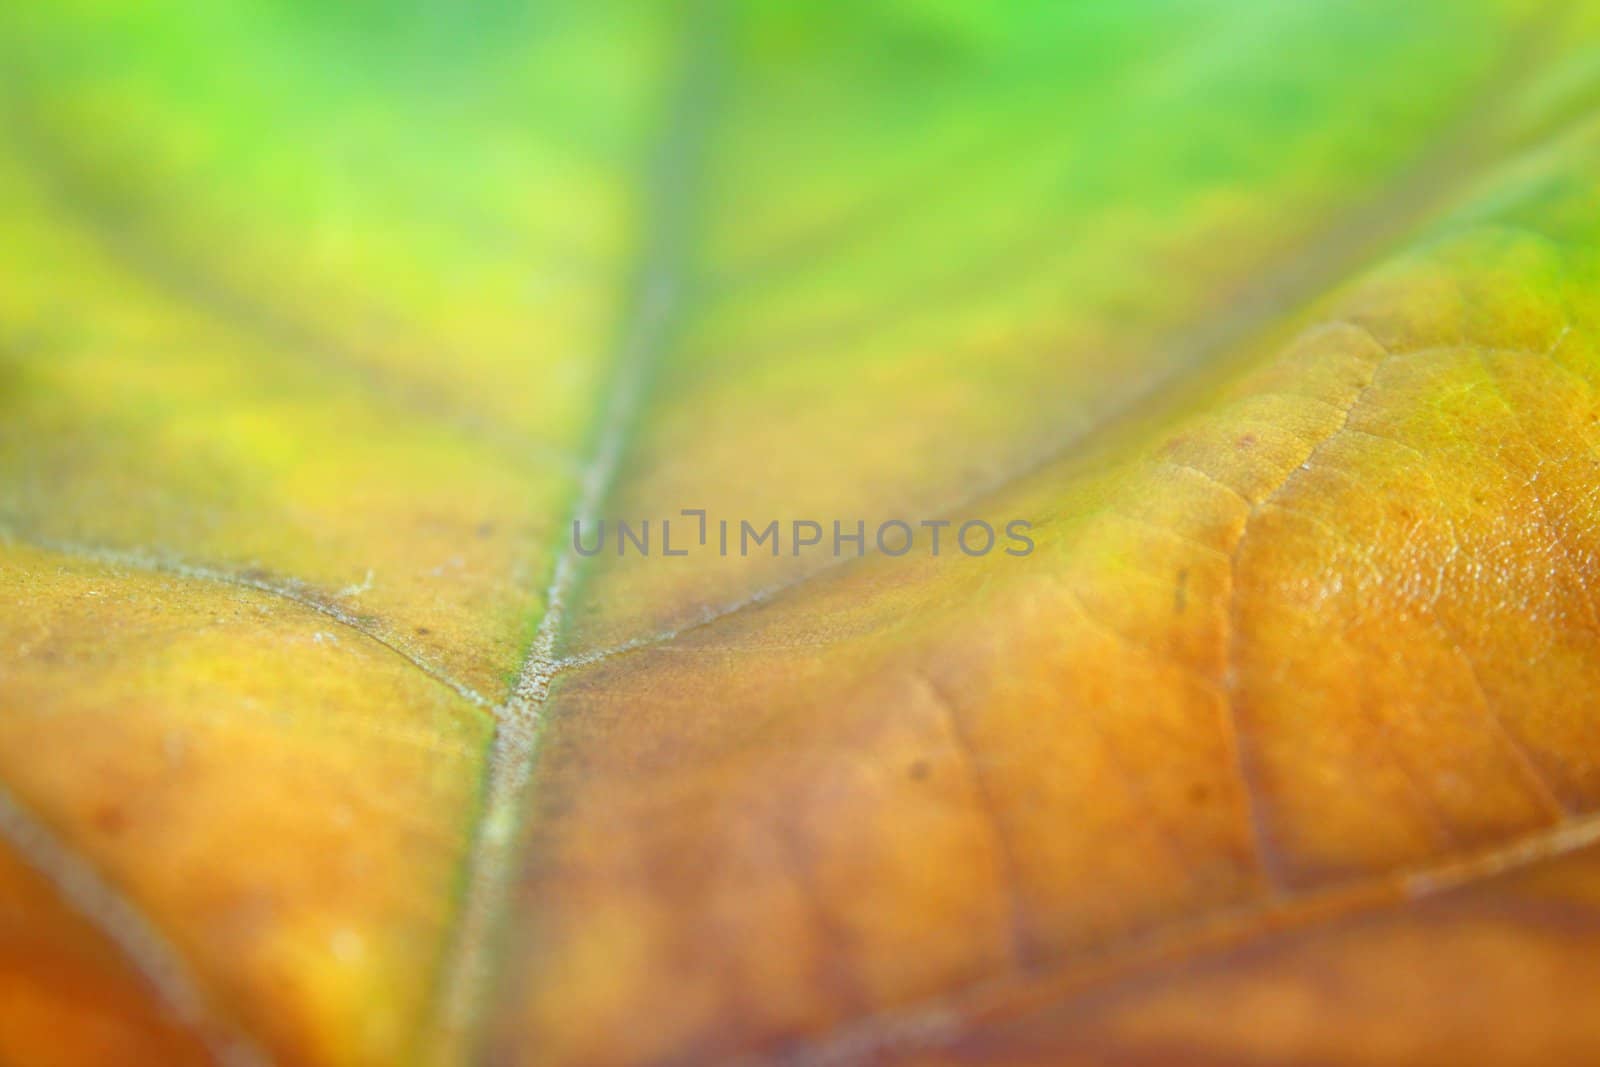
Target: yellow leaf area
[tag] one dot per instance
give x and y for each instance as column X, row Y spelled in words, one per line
column 320, row 326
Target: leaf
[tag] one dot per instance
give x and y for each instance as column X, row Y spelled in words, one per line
column 322, row 743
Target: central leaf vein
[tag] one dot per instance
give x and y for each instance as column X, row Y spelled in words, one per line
column 651, row 313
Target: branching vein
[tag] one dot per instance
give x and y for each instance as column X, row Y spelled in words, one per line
column 291, row 591
column 162, row 966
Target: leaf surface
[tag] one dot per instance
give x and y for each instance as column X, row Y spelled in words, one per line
column 322, row 743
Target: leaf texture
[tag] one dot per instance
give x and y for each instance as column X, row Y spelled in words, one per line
column 321, row 742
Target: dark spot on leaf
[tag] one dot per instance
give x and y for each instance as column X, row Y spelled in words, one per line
column 1199, row 794
column 424, row 630
column 919, row 770
column 1247, row 440
column 486, row 529
column 110, row 819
